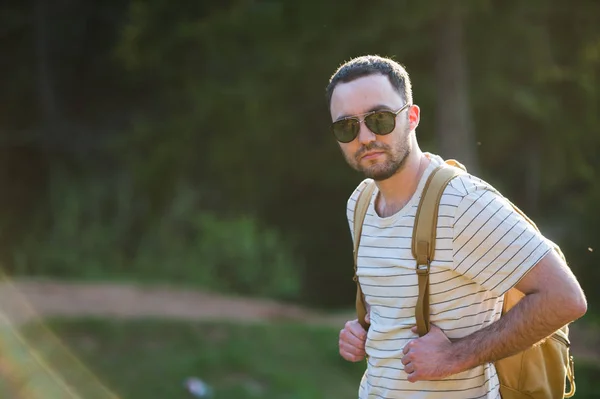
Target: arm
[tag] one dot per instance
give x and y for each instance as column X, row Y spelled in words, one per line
column 497, row 249
column 552, row 299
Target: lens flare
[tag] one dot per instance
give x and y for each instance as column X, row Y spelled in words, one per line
column 34, row 363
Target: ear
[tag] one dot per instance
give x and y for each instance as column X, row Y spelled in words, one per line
column 414, row 116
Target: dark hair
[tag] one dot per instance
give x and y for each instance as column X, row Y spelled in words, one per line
column 370, row 65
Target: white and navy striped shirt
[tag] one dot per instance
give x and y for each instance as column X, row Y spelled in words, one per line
column 483, row 248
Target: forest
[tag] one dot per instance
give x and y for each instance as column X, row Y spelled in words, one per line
column 189, row 142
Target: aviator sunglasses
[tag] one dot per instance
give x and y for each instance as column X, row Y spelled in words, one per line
column 379, row 122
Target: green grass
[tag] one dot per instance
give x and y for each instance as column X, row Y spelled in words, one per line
column 151, row 359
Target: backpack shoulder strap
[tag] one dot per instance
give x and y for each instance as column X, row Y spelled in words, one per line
column 362, row 204
column 424, row 236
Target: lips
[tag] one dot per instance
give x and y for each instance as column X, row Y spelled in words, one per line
column 372, row 155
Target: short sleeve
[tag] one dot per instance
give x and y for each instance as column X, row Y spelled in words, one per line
column 493, row 244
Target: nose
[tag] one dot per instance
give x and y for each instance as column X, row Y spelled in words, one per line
column 365, row 136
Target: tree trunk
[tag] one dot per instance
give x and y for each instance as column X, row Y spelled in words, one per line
column 45, row 87
column 454, row 124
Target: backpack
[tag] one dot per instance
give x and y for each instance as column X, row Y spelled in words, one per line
column 539, row 372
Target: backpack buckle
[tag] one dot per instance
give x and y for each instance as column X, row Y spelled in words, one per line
column 423, row 270
column 423, row 258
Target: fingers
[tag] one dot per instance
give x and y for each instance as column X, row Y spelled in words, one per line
column 405, row 360
column 352, row 341
column 412, row 377
column 356, row 329
column 351, row 353
column 407, row 347
column 409, row 368
column 368, row 315
column 354, row 335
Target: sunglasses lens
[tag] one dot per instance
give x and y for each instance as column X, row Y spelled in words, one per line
column 345, row 130
column 381, row 122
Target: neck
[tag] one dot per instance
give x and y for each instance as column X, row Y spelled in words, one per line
column 396, row 191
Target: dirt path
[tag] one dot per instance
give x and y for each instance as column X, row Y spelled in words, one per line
column 26, row 300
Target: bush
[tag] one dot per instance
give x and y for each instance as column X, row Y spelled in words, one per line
column 96, row 228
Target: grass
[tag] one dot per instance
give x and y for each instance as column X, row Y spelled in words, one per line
column 151, row 359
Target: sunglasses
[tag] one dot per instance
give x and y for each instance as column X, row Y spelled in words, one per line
column 379, row 122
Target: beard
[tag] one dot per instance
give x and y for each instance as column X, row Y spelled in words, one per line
column 383, row 170
column 394, row 159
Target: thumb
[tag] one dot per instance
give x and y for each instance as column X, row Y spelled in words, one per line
column 414, row 330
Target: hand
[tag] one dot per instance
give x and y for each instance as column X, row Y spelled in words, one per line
column 352, row 341
column 428, row 357
column 353, row 338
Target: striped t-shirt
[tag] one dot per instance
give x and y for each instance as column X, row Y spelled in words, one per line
column 483, row 248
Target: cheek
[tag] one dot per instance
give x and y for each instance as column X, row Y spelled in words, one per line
column 398, row 138
column 389, row 142
column 349, row 148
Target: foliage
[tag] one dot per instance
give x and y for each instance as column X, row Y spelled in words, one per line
column 98, row 228
column 226, row 100
column 259, row 60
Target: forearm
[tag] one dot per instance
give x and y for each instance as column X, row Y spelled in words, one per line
column 533, row 318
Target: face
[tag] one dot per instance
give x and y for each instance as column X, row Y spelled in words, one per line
column 378, row 157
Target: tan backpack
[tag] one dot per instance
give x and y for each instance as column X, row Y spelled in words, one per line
column 539, row 372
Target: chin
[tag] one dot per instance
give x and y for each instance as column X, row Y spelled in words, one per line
column 379, row 174
column 380, row 171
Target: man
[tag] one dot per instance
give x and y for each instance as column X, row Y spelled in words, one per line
column 483, row 249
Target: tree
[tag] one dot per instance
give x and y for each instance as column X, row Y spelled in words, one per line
column 454, row 123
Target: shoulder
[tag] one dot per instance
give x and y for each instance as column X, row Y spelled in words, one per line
column 478, row 203
column 468, row 197
column 467, row 188
column 463, row 185
column 351, row 203
column 467, row 184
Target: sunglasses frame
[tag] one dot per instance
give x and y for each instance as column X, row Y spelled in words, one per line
column 361, row 118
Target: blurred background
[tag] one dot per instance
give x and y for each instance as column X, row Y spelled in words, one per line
column 186, row 143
